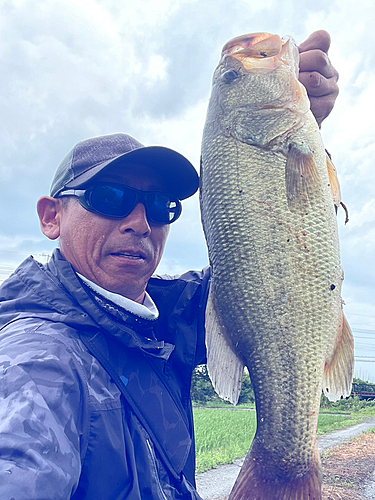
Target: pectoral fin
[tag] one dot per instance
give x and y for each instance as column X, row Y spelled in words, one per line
column 302, row 180
column 338, row 371
column 224, row 367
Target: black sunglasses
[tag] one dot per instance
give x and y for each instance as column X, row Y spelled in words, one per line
column 116, row 200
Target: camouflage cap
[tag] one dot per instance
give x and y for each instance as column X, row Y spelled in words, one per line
column 91, row 156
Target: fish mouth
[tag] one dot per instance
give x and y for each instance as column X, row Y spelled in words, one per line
column 258, row 45
column 261, row 50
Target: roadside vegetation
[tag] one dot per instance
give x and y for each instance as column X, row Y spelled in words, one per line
column 223, row 435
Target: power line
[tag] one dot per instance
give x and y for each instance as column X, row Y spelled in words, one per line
column 16, row 251
column 359, row 330
column 26, row 252
column 355, row 314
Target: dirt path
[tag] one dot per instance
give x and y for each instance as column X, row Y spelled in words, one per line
column 348, row 469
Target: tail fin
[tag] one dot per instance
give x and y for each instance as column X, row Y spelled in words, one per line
column 256, row 481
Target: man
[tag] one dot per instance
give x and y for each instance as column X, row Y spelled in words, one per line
column 96, row 356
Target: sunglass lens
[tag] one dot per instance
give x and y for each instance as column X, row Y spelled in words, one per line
column 112, row 201
column 161, row 209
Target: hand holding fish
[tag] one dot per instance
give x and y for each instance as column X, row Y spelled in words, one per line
column 318, row 75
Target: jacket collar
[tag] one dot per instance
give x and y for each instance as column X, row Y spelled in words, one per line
column 54, row 292
column 147, row 310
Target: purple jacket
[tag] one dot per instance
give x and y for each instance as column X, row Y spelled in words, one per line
column 66, row 429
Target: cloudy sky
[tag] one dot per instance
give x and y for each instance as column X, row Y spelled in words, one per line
column 76, row 69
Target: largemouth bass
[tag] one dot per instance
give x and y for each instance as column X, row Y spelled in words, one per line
column 268, row 201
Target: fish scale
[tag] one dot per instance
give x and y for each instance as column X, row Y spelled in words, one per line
column 275, row 297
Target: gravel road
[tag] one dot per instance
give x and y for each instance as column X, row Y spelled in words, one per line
column 217, row 483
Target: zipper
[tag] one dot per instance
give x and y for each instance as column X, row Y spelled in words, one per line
column 155, row 468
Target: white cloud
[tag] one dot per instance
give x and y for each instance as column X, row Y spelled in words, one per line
column 367, row 214
column 70, row 70
column 156, row 69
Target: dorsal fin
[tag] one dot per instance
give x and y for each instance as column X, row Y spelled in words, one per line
column 333, row 181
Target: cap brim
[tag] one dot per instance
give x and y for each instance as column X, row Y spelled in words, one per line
column 179, row 176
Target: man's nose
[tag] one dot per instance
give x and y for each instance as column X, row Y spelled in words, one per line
column 136, row 222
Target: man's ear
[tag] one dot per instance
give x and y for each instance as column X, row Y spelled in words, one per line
column 49, row 212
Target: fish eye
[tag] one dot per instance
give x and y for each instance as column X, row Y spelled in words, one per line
column 229, row 76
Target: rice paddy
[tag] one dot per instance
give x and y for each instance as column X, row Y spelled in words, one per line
column 222, row 435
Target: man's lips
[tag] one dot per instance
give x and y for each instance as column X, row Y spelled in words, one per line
column 130, row 254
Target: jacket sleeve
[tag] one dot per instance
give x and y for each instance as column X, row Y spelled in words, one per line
column 43, row 416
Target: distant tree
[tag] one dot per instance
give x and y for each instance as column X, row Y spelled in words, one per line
column 362, row 386
column 247, row 392
column 202, row 390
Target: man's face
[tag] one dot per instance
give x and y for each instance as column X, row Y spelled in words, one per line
column 119, row 255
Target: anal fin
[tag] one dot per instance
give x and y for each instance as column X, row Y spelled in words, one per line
column 338, row 371
column 224, row 367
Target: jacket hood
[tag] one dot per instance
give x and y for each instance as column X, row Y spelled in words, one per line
column 54, row 292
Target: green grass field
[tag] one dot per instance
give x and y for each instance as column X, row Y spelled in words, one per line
column 222, row 435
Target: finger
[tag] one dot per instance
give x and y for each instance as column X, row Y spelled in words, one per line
column 317, row 40
column 317, row 60
column 316, row 85
column 321, row 107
